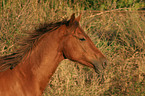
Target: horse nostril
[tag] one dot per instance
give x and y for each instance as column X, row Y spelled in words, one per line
column 104, row 64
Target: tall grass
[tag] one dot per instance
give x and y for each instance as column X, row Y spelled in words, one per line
column 119, row 35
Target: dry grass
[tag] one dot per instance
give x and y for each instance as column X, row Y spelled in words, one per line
column 120, row 36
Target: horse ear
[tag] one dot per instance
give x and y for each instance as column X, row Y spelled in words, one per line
column 72, row 19
column 78, row 18
column 73, row 23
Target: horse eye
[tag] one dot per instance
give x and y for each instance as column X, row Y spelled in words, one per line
column 82, row 39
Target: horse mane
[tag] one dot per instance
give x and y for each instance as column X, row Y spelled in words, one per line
column 26, row 45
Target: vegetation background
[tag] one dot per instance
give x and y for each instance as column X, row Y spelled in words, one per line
column 117, row 27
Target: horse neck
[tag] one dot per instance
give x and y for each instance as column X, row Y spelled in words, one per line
column 44, row 58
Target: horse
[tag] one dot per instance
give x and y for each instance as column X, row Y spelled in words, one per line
column 27, row 71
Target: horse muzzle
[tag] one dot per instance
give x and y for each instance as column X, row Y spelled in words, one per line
column 100, row 65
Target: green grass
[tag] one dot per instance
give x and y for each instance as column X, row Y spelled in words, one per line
column 120, row 36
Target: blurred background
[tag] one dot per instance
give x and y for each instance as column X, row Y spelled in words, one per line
column 117, row 27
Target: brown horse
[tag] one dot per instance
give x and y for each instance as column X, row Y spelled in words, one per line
column 27, row 71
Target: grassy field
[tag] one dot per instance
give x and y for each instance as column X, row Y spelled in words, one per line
column 120, row 35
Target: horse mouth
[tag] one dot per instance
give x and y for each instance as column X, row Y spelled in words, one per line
column 97, row 70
